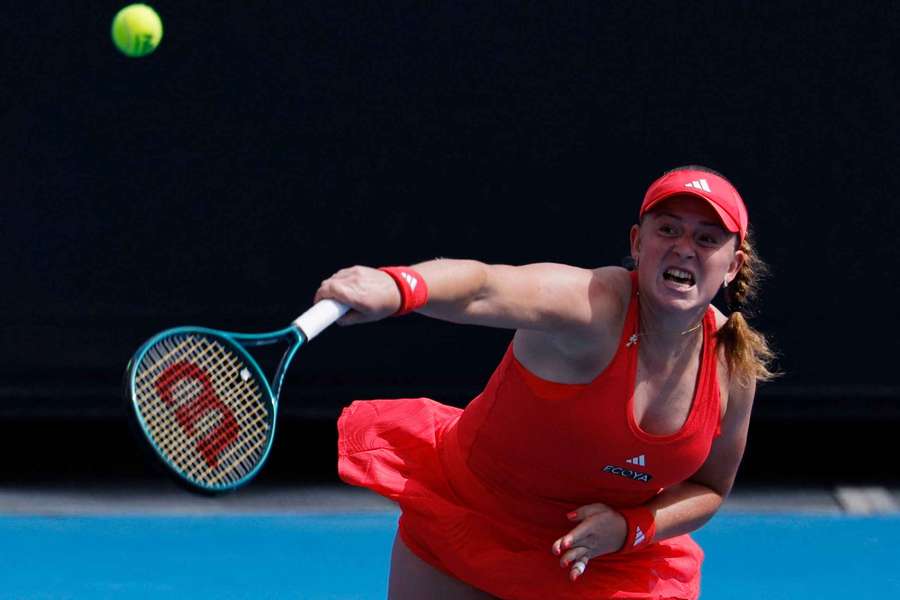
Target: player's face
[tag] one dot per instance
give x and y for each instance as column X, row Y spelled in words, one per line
column 684, row 253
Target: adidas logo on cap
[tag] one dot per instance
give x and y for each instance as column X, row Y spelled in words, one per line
column 700, row 184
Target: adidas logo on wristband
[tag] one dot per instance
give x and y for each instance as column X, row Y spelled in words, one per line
column 413, row 289
column 412, row 281
column 638, row 536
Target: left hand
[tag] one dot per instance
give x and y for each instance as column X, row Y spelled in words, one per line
column 602, row 530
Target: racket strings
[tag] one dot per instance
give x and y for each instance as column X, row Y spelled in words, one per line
column 186, row 453
column 200, row 465
column 203, row 408
column 226, row 431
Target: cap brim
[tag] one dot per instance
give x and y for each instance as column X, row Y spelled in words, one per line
column 724, row 217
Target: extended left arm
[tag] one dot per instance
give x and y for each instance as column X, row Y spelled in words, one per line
column 677, row 510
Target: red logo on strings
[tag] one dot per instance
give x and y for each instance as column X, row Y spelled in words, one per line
column 188, row 413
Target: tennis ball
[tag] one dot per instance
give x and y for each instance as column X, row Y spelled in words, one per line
column 136, row 30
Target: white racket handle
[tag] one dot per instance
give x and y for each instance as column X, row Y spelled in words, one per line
column 321, row 315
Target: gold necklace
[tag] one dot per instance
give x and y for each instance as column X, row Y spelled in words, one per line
column 634, row 336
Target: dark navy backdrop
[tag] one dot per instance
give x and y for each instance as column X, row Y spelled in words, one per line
column 266, row 145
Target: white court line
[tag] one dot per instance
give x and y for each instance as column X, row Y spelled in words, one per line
column 866, row 500
column 165, row 498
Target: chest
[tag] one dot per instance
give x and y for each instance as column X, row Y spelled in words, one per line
column 523, row 436
column 664, row 394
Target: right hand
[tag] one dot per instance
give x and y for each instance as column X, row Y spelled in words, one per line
column 371, row 294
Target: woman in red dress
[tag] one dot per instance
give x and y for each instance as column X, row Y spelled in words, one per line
column 612, row 427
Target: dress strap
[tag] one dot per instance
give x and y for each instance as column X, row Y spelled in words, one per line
column 710, row 367
column 629, row 328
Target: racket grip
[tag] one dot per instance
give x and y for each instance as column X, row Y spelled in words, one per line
column 321, row 315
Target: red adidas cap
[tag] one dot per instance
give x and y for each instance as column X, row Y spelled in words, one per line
column 716, row 190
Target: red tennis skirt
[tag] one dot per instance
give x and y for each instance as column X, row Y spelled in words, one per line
column 405, row 450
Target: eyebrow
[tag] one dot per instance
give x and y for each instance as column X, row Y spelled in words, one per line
column 677, row 218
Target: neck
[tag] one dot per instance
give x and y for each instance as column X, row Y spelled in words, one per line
column 675, row 331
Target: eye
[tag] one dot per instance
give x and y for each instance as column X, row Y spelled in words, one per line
column 708, row 239
column 667, row 229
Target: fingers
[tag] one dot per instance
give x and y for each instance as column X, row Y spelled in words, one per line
column 586, row 540
column 571, row 539
column 574, row 555
column 578, row 568
column 582, row 513
column 581, row 535
column 371, row 294
column 556, row 548
column 335, row 287
column 565, row 546
column 576, row 560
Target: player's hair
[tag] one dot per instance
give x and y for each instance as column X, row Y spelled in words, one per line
column 696, row 168
column 747, row 351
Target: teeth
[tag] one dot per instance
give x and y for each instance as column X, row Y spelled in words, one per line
column 679, row 273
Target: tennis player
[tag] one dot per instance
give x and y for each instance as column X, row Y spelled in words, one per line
column 612, row 427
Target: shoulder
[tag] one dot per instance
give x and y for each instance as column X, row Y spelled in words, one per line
column 610, row 294
column 611, row 285
column 599, row 281
column 722, row 371
column 720, row 319
column 589, row 302
column 572, row 351
column 585, row 299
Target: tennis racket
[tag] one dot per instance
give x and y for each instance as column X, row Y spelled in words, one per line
column 203, row 403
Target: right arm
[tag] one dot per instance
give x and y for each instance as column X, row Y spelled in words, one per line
column 542, row 296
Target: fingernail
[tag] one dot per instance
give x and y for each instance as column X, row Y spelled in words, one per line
column 572, row 514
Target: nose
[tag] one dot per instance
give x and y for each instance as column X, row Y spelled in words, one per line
column 683, row 247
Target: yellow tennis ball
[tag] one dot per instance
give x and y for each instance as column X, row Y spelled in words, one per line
column 136, row 30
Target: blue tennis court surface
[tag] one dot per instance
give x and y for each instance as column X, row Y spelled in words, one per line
column 346, row 556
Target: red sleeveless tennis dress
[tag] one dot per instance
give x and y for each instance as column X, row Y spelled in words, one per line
column 484, row 491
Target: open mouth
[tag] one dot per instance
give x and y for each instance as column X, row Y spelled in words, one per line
column 679, row 276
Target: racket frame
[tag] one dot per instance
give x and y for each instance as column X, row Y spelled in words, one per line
column 237, row 343
column 304, row 328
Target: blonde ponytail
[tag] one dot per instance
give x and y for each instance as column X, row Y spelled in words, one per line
column 747, row 352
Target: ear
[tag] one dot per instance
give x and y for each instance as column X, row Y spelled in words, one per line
column 735, row 266
column 635, row 240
